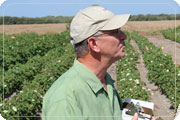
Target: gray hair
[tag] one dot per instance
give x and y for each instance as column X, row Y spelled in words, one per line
column 81, row 49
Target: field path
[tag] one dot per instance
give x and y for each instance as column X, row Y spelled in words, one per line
column 162, row 103
column 170, row 47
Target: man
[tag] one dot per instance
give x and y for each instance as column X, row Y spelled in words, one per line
column 86, row 91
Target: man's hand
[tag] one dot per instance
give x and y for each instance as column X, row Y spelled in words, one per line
column 154, row 118
column 135, row 117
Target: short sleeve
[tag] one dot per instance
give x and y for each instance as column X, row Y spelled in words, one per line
column 62, row 110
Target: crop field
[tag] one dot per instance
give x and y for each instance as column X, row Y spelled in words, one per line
column 161, row 69
column 37, row 28
column 151, row 28
column 33, row 61
column 40, row 63
column 172, row 34
column 144, row 27
column 25, row 83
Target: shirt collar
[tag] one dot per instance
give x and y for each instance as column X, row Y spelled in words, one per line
column 88, row 76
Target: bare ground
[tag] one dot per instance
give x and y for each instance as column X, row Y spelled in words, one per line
column 144, row 27
column 38, row 28
column 150, row 28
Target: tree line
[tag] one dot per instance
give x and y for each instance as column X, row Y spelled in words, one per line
column 150, row 17
column 67, row 19
column 37, row 20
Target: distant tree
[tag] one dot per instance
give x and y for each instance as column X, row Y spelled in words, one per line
column 95, row 4
column 67, row 19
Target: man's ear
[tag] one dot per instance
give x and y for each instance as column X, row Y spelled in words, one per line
column 92, row 42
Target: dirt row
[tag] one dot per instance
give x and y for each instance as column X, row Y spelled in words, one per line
column 162, row 103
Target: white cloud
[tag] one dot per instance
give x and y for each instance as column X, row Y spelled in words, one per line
column 1, row 2
column 178, row 1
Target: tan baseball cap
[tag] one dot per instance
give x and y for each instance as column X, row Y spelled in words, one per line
column 93, row 19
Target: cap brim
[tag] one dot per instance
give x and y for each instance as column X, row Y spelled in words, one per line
column 116, row 22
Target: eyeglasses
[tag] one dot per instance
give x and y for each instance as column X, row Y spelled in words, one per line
column 111, row 33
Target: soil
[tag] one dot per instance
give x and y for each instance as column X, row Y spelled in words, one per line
column 150, row 28
column 37, row 28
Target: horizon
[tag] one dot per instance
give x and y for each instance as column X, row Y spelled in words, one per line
column 73, row 16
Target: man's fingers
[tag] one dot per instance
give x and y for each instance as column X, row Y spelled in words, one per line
column 154, row 118
column 135, row 117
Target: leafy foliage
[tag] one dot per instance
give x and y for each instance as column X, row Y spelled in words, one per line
column 21, row 72
column 172, row 34
column 18, row 48
column 28, row 102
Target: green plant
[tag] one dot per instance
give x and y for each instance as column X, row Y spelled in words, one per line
column 129, row 83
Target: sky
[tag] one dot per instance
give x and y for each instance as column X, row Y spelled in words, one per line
column 41, row 8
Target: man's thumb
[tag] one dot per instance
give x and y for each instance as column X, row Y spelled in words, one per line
column 135, row 117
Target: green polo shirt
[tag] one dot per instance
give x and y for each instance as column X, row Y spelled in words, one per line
column 79, row 95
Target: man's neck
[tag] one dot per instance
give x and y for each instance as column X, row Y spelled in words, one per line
column 98, row 67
